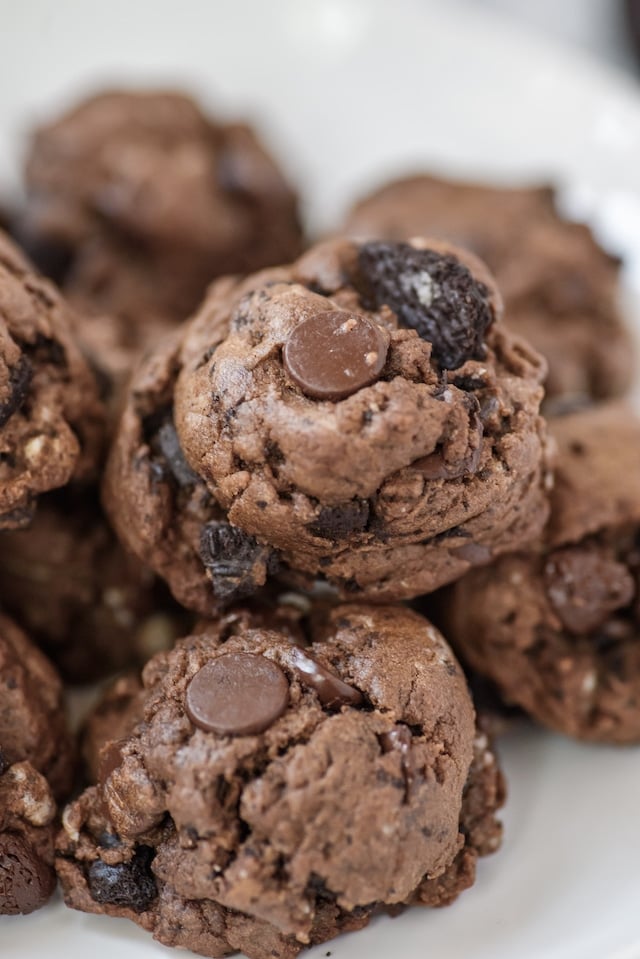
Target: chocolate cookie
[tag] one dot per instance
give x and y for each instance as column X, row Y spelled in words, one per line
column 87, row 602
column 51, row 419
column 361, row 416
column 559, row 285
column 35, row 767
column 272, row 794
column 32, row 723
column 27, row 831
column 558, row 630
column 136, row 200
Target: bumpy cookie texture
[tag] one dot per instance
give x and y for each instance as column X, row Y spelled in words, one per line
column 136, row 200
column 51, row 419
column 347, row 794
column 88, row 603
column 32, row 722
column 558, row 630
column 27, row 831
column 559, row 285
column 424, row 457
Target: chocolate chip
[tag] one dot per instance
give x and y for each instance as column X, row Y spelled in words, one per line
column 235, row 561
column 337, row 522
column 432, row 293
column 585, row 585
column 399, row 738
column 237, row 694
column 128, row 884
column 332, row 355
column 19, row 380
column 332, row 691
column 26, row 882
column 4, row 762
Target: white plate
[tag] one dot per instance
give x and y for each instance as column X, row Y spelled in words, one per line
column 349, row 91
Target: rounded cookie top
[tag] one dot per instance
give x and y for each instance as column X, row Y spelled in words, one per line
column 361, row 414
column 138, row 199
column 346, row 789
column 51, row 419
column 32, row 720
column 559, row 285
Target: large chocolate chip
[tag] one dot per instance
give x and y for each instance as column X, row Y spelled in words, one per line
column 235, row 561
column 432, row 293
column 332, row 355
column 337, row 522
column 19, row 380
column 26, row 882
column 128, row 884
column 332, row 691
column 237, row 694
column 585, row 585
column 399, row 738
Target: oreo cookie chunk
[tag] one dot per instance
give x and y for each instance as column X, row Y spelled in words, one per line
column 558, row 630
column 559, row 286
column 136, row 200
column 51, row 419
column 272, row 793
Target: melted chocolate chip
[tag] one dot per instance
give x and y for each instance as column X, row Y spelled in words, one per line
column 26, row 882
column 338, row 522
column 19, row 380
column 128, row 884
column 235, row 561
column 332, row 691
column 429, row 292
column 585, row 585
column 332, row 355
column 237, row 694
column 399, row 738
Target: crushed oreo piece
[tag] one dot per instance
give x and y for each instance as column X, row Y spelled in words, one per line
column 129, row 884
column 19, row 380
column 338, row 522
column 237, row 564
column 169, row 445
column 432, row 293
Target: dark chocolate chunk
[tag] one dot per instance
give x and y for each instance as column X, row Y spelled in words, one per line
column 129, row 884
column 4, row 762
column 26, row 882
column 235, row 561
column 237, row 694
column 400, row 738
column 109, row 758
column 432, row 293
column 19, row 380
column 332, row 691
column 169, row 445
column 332, row 355
column 585, row 585
column 338, row 522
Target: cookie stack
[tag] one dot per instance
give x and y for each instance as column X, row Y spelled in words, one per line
column 273, row 478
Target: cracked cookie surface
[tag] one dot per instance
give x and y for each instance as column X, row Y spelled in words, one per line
column 351, row 796
column 389, row 491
